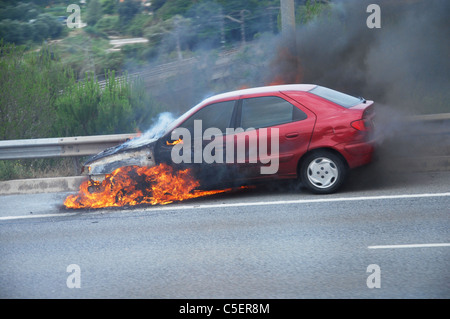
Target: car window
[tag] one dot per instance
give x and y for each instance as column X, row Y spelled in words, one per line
column 339, row 98
column 268, row 111
column 216, row 115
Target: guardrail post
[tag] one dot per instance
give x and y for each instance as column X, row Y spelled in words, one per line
column 76, row 165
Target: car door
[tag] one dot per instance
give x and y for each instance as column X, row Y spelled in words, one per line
column 283, row 131
column 206, row 130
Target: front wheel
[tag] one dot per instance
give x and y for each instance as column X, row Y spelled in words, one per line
column 323, row 172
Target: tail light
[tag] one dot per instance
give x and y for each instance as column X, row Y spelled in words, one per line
column 365, row 124
column 360, row 125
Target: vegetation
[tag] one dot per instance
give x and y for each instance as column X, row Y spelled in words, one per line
column 41, row 97
column 50, row 74
column 122, row 106
column 34, row 69
column 93, row 12
column 27, row 22
column 30, row 84
column 174, row 28
column 57, row 81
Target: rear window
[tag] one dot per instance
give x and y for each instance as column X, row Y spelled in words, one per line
column 339, row 98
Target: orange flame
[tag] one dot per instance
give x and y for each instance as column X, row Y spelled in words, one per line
column 134, row 185
column 175, row 142
column 138, row 133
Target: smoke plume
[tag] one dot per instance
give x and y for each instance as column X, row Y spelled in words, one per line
column 155, row 131
column 404, row 64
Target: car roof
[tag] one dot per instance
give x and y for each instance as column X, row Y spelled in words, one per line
column 261, row 90
column 238, row 93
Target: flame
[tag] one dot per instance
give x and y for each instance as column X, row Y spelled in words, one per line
column 138, row 133
column 134, row 185
column 175, row 142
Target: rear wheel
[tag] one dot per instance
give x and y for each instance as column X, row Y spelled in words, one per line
column 323, row 172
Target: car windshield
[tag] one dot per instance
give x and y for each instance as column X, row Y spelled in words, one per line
column 180, row 120
column 339, row 98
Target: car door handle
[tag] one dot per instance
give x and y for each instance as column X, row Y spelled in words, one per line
column 291, row 135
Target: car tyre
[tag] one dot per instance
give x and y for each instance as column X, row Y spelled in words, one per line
column 323, row 172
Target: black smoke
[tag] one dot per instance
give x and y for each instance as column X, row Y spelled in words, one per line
column 404, row 64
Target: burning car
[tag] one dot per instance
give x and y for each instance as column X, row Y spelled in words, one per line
column 305, row 132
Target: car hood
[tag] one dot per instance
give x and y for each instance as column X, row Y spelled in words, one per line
column 133, row 152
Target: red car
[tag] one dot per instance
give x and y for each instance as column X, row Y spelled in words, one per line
column 298, row 131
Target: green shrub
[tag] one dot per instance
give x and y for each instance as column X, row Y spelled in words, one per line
column 30, row 82
column 108, row 24
column 122, row 106
column 137, row 25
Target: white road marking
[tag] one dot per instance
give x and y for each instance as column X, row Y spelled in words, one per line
column 36, row 216
column 410, row 246
column 281, row 202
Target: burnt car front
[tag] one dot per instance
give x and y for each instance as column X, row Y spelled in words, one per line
column 139, row 151
column 134, row 152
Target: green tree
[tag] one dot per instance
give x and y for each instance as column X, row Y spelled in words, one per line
column 144, row 107
column 54, row 28
column 173, row 7
column 127, row 9
column 16, row 32
column 40, row 30
column 108, row 24
column 22, row 28
column 156, row 4
column 310, row 10
column 77, row 107
column 122, row 106
column 30, row 83
column 109, row 6
column 138, row 24
column 94, row 12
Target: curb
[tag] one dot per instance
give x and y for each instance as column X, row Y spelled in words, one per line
column 41, row 185
column 72, row 183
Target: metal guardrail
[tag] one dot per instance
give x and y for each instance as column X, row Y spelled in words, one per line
column 76, row 147
column 90, row 145
column 59, row 146
column 431, row 117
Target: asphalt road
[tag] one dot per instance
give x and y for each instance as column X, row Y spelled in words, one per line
column 268, row 242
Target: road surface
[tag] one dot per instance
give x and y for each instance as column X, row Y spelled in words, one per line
column 385, row 235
